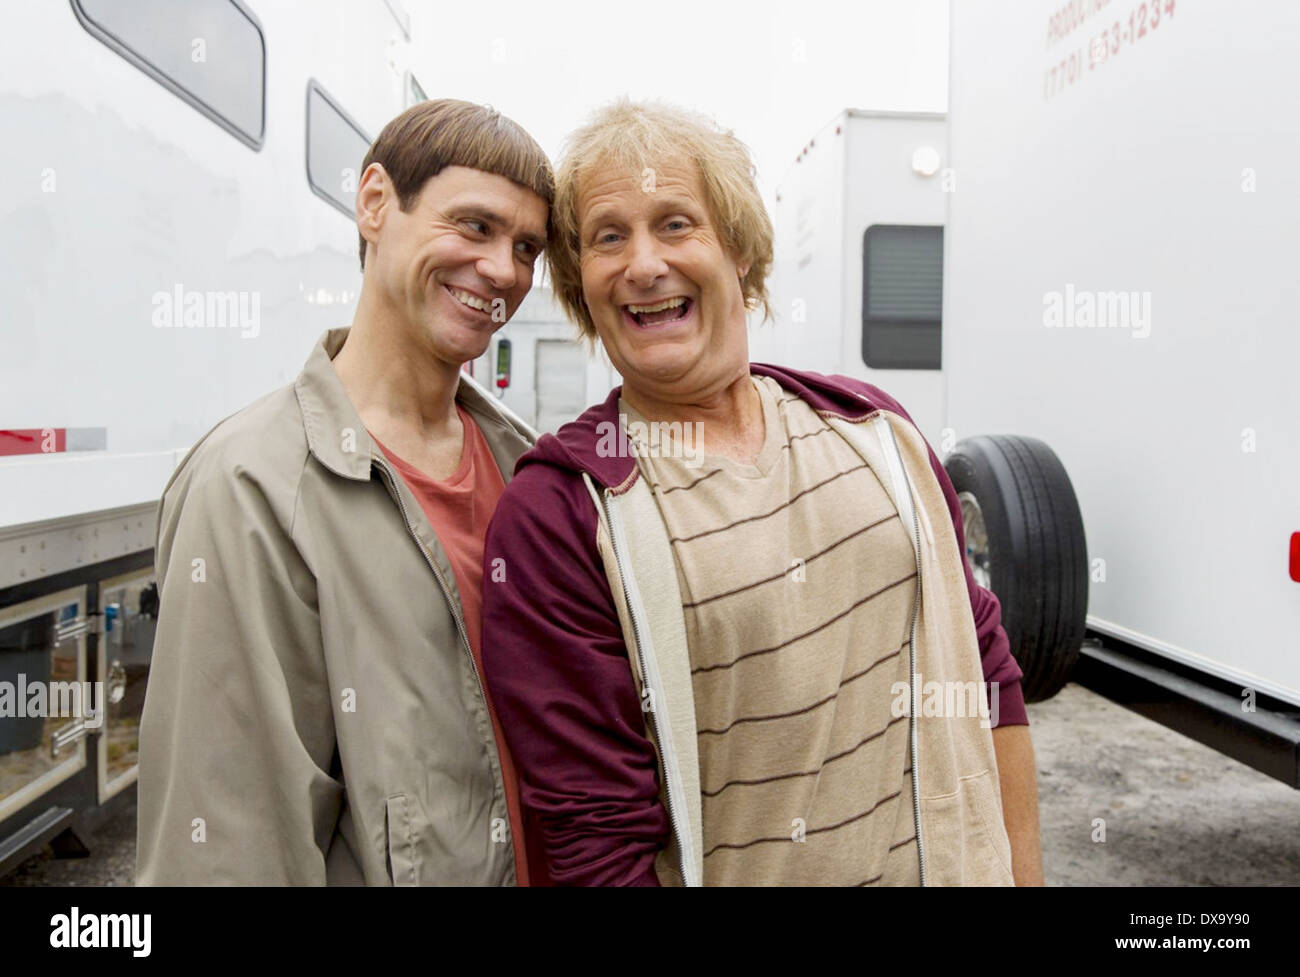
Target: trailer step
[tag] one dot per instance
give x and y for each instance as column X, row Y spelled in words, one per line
column 29, row 839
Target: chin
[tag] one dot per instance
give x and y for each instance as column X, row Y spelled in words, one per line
column 662, row 369
column 472, row 352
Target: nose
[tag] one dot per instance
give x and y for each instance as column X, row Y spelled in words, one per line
column 497, row 263
column 645, row 264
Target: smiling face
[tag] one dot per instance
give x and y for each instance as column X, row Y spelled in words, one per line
column 663, row 293
column 455, row 267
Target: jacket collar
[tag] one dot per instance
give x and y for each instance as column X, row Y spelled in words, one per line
column 335, row 433
column 585, row 444
column 337, row 436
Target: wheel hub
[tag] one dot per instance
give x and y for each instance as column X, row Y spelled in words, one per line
column 977, row 539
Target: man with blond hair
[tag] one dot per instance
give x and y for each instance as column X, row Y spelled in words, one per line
column 708, row 657
column 315, row 712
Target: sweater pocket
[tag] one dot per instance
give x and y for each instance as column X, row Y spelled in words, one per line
column 965, row 841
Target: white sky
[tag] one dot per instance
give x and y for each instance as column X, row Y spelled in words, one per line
column 775, row 71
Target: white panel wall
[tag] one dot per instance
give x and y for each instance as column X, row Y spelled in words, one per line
column 1168, row 169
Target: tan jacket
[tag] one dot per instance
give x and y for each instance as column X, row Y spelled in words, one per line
column 957, row 801
column 313, row 714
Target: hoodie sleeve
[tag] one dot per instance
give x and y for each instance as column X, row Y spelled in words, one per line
column 557, row 670
column 995, row 649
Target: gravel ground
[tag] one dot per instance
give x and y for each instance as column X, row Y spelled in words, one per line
column 111, row 861
column 1175, row 812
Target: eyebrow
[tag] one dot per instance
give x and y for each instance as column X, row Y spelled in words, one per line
column 593, row 219
column 497, row 221
column 665, row 204
column 669, row 203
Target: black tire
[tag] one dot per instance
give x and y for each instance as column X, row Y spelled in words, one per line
column 1036, row 550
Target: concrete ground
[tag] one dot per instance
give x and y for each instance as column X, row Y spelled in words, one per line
column 1175, row 812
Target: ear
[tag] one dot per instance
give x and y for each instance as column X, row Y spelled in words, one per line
column 373, row 197
column 743, row 270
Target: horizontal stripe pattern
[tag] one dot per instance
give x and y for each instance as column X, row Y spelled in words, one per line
column 798, row 581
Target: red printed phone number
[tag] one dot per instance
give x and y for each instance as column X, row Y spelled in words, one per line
column 1142, row 19
column 1070, row 17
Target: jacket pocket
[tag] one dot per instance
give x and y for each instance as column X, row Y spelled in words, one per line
column 402, row 835
column 965, row 840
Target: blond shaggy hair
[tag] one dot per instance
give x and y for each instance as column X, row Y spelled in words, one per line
column 637, row 135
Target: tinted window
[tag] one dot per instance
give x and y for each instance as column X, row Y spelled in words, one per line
column 336, row 147
column 209, row 52
column 902, row 296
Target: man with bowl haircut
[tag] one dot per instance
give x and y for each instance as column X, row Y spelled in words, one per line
column 713, row 673
column 315, row 712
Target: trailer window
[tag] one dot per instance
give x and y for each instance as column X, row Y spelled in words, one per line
column 902, row 296
column 336, row 147
column 414, row 91
column 209, row 52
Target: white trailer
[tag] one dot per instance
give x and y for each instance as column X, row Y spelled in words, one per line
column 857, row 279
column 1118, row 290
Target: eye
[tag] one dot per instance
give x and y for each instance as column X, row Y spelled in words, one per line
column 677, row 224
column 528, row 249
column 477, row 226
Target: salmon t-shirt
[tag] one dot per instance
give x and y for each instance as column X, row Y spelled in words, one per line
column 459, row 508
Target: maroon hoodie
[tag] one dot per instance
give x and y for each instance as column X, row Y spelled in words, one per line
column 557, row 665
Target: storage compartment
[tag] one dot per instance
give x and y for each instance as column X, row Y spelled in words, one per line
column 43, row 693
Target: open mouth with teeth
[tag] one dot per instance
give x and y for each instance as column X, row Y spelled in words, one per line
column 470, row 300
column 660, row 313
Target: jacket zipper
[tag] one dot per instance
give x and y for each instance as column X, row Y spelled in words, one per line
column 916, row 605
column 460, row 625
column 442, row 583
column 654, row 719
